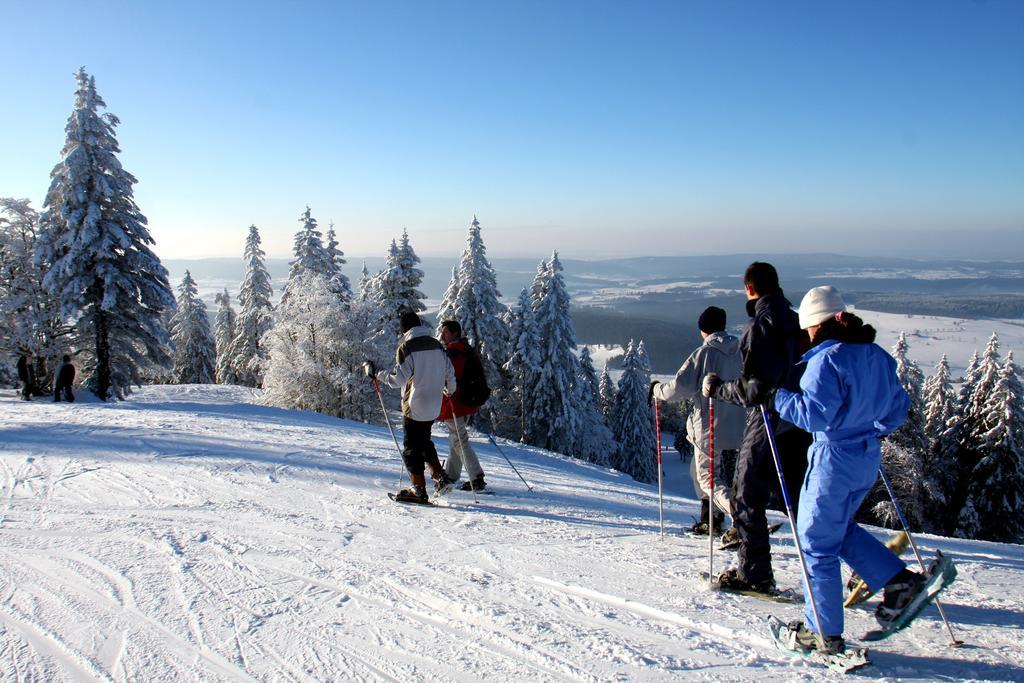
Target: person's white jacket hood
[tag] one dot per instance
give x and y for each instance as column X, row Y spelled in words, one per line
column 422, row 371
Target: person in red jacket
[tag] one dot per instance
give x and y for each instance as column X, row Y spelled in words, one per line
column 456, row 414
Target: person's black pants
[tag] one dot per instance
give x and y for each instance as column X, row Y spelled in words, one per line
column 68, row 396
column 418, row 448
column 755, row 481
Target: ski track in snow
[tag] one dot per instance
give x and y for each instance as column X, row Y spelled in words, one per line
column 187, row 534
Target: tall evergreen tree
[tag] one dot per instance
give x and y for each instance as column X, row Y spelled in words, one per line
column 311, row 256
column 255, row 316
column 522, row 367
column 339, row 282
column 939, row 400
column 30, row 317
column 994, row 509
column 940, row 465
column 552, row 419
column 95, row 240
column 904, row 452
column 224, row 334
column 195, row 356
column 473, row 300
column 410, row 277
column 607, row 391
column 595, row 442
column 632, row 423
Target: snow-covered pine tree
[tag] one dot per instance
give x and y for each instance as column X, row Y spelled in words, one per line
column 339, row 282
column 939, row 400
column 410, row 277
column 224, row 334
column 30, row 318
column 595, row 442
column 362, row 340
column 976, row 411
column 101, row 267
column 994, row 509
column 446, row 310
column 522, row 367
column 255, row 316
column 552, row 420
column 305, row 367
column 904, row 452
column 365, row 282
column 473, row 300
column 195, row 354
column 606, row 389
column 940, row 467
column 632, row 422
column 310, row 254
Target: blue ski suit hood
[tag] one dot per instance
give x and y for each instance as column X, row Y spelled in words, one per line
column 848, row 391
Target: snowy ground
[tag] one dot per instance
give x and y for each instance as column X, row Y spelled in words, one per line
column 188, row 535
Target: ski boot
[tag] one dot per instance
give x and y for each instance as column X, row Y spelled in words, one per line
column 413, row 494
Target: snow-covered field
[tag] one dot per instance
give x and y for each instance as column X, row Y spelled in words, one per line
column 187, row 534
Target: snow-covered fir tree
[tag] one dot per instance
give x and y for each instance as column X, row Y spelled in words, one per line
column 633, row 422
column 311, row 256
column 955, row 453
column 940, row 466
column 255, row 316
column 305, row 369
column 473, row 300
column 361, row 340
column 939, row 400
column 904, row 452
column 988, row 373
column 595, row 442
column 101, row 267
column 410, row 277
column 552, row 420
column 522, row 367
column 223, row 335
column 994, row 508
column 195, row 354
column 606, row 390
column 339, row 282
column 30, row 318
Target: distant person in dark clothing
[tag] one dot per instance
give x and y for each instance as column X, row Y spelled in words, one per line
column 65, row 378
column 769, row 349
column 27, row 375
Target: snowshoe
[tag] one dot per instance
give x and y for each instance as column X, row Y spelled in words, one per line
column 443, row 485
column 860, row 591
column 477, row 484
column 731, row 538
column 416, row 495
column 795, row 639
column 904, row 599
column 729, row 581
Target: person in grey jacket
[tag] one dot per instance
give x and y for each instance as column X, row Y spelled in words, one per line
column 718, row 354
column 422, row 372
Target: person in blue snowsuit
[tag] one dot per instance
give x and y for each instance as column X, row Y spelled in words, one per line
column 848, row 397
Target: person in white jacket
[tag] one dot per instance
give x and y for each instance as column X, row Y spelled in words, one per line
column 718, row 354
column 422, row 372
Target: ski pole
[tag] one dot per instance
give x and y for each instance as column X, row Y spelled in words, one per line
column 657, row 437
column 903, row 521
column 792, row 521
column 401, row 472
column 495, row 444
column 711, row 493
column 462, row 444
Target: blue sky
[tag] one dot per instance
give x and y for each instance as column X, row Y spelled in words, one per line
column 861, row 127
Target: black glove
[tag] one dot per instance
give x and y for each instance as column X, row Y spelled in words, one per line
column 369, row 369
column 650, row 392
column 709, row 387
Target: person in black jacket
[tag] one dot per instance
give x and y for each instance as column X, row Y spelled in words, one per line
column 65, row 378
column 26, row 373
column 769, row 348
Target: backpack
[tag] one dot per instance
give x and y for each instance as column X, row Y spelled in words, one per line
column 472, row 386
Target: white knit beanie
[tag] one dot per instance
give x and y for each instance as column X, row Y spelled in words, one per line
column 820, row 304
